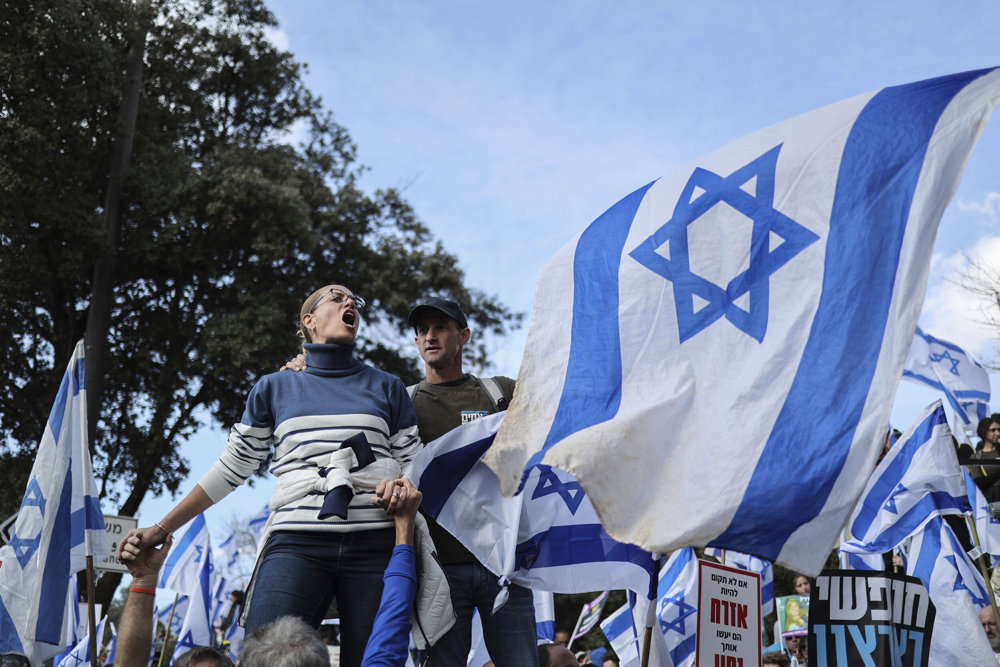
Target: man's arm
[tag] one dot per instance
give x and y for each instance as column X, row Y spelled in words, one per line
column 135, row 628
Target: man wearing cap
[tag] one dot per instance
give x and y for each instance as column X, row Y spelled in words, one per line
column 446, row 398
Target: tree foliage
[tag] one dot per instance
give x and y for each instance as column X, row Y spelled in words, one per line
column 242, row 197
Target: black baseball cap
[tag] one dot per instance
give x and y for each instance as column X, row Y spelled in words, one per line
column 449, row 308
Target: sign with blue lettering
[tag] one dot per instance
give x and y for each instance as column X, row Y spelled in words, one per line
column 869, row 618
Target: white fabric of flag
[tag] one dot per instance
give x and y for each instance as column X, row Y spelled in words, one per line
column 80, row 655
column 751, row 564
column 589, row 616
column 196, row 630
column 732, row 334
column 548, row 538
column 58, row 525
column 987, row 527
column 958, row 594
column 946, row 367
column 174, row 614
column 184, row 562
column 918, row 478
column 625, row 630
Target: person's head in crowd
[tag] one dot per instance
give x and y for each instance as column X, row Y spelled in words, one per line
column 610, row 661
column 441, row 331
column 561, row 637
column 801, row 585
column 553, row 655
column 989, row 434
column 775, row 659
column 792, row 644
column 203, row 656
column 990, row 628
column 236, row 597
column 286, row 642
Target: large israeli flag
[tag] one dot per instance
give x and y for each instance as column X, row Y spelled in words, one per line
column 947, row 368
column 919, row 478
column 715, row 357
column 958, row 593
column 59, row 524
column 548, row 538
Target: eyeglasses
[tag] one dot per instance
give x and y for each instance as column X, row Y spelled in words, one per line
column 338, row 296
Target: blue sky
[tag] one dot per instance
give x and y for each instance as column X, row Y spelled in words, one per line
column 509, row 126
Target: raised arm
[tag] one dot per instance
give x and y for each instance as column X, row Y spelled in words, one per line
column 135, row 628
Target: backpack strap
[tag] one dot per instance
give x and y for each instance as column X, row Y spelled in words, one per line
column 411, row 391
column 492, row 387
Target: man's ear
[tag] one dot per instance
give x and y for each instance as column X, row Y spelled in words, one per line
column 464, row 335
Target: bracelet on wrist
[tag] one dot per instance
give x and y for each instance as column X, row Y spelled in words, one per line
column 138, row 589
column 169, row 534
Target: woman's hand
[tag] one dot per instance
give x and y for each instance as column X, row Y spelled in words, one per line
column 389, row 493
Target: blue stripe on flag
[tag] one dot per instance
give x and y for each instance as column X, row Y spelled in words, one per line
column 55, row 569
column 9, row 640
column 858, row 284
column 180, row 549
column 574, row 545
column 591, row 393
column 685, row 649
column 445, row 472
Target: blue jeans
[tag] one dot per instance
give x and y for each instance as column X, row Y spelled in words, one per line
column 509, row 634
column 302, row 572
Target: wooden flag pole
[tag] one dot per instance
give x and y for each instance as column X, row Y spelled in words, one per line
column 91, row 620
column 170, row 619
column 982, row 567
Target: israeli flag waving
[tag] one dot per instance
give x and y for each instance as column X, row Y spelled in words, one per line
column 59, row 524
column 184, row 564
column 958, row 593
column 196, row 630
column 987, row 527
column 946, row 367
column 919, row 478
column 547, row 538
column 79, row 656
column 732, row 334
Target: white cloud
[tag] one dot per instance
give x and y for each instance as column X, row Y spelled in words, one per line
column 988, row 209
column 278, row 37
column 955, row 314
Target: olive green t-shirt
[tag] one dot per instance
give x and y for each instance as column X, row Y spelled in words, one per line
column 441, row 408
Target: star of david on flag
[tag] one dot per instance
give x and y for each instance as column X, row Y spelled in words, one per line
column 59, row 524
column 547, row 539
column 957, row 592
column 946, row 367
column 773, row 284
column 775, row 239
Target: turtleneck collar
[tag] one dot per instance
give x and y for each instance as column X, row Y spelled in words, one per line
column 329, row 356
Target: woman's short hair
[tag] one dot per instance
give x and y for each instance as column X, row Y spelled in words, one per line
column 202, row 654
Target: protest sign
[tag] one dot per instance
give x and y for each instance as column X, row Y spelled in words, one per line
column 859, row 617
column 728, row 616
column 793, row 615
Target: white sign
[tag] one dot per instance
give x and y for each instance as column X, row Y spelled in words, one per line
column 728, row 617
column 117, row 527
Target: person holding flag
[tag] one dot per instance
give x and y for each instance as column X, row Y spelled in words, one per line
column 320, row 542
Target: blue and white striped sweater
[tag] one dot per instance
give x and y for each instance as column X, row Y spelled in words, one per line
column 302, row 417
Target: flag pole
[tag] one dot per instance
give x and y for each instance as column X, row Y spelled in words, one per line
column 576, row 627
column 982, row 567
column 647, row 640
column 91, row 616
column 170, row 619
